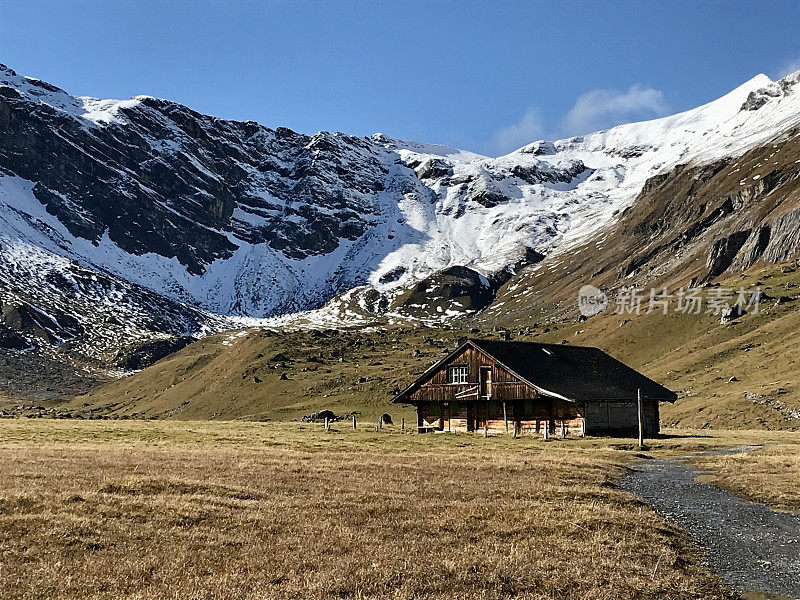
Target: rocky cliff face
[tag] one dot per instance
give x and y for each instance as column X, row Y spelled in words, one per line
column 234, row 217
column 688, row 226
column 139, row 221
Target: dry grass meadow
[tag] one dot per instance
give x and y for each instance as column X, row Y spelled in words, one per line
column 770, row 475
column 201, row 510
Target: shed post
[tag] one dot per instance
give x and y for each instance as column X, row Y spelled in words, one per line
column 641, row 416
column 505, row 416
column 546, row 430
column 583, row 421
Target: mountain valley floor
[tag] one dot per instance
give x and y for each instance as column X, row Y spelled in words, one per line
column 199, row 509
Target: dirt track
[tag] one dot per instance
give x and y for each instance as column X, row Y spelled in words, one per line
column 752, row 546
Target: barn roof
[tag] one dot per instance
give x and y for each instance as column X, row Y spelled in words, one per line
column 575, row 373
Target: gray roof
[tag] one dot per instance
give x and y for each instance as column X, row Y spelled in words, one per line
column 576, row 373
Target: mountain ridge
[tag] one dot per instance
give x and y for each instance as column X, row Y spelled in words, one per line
column 189, row 224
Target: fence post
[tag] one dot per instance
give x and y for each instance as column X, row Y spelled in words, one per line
column 327, row 424
column 402, row 423
column 546, row 430
column 641, row 417
column 354, row 423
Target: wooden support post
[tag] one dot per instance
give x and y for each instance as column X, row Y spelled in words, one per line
column 516, row 429
column 641, row 417
column 583, row 427
column 354, row 423
column 505, row 416
column 327, row 424
column 486, row 426
column 563, row 429
column 547, row 430
column 402, row 424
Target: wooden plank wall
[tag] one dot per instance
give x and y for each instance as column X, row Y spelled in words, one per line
column 621, row 417
column 504, row 385
column 601, row 417
column 533, row 418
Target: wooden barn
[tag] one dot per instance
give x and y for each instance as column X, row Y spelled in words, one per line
column 507, row 386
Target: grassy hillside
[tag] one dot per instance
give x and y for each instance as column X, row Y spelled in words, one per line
column 742, row 374
column 262, row 374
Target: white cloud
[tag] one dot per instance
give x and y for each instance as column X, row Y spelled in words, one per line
column 529, row 128
column 601, row 109
column 592, row 111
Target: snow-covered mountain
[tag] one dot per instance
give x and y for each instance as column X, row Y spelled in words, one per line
column 223, row 221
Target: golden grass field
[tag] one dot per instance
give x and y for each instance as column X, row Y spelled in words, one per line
column 159, row 509
column 770, row 475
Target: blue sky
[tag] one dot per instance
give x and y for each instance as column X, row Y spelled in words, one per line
column 484, row 76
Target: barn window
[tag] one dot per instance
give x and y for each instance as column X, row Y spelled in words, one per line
column 457, row 374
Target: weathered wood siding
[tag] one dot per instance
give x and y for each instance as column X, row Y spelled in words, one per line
column 504, row 385
column 530, row 415
column 567, row 412
column 621, row 417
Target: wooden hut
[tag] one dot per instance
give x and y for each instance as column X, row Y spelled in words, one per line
column 507, row 386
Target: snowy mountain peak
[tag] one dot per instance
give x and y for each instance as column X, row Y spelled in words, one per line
column 771, row 90
column 240, row 220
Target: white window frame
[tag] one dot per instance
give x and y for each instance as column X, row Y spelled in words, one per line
column 457, row 374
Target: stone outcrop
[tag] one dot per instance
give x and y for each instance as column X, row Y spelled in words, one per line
column 723, row 252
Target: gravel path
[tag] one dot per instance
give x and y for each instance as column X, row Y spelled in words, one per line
column 752, row 546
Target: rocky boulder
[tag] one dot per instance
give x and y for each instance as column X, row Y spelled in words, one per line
column 455, row 290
